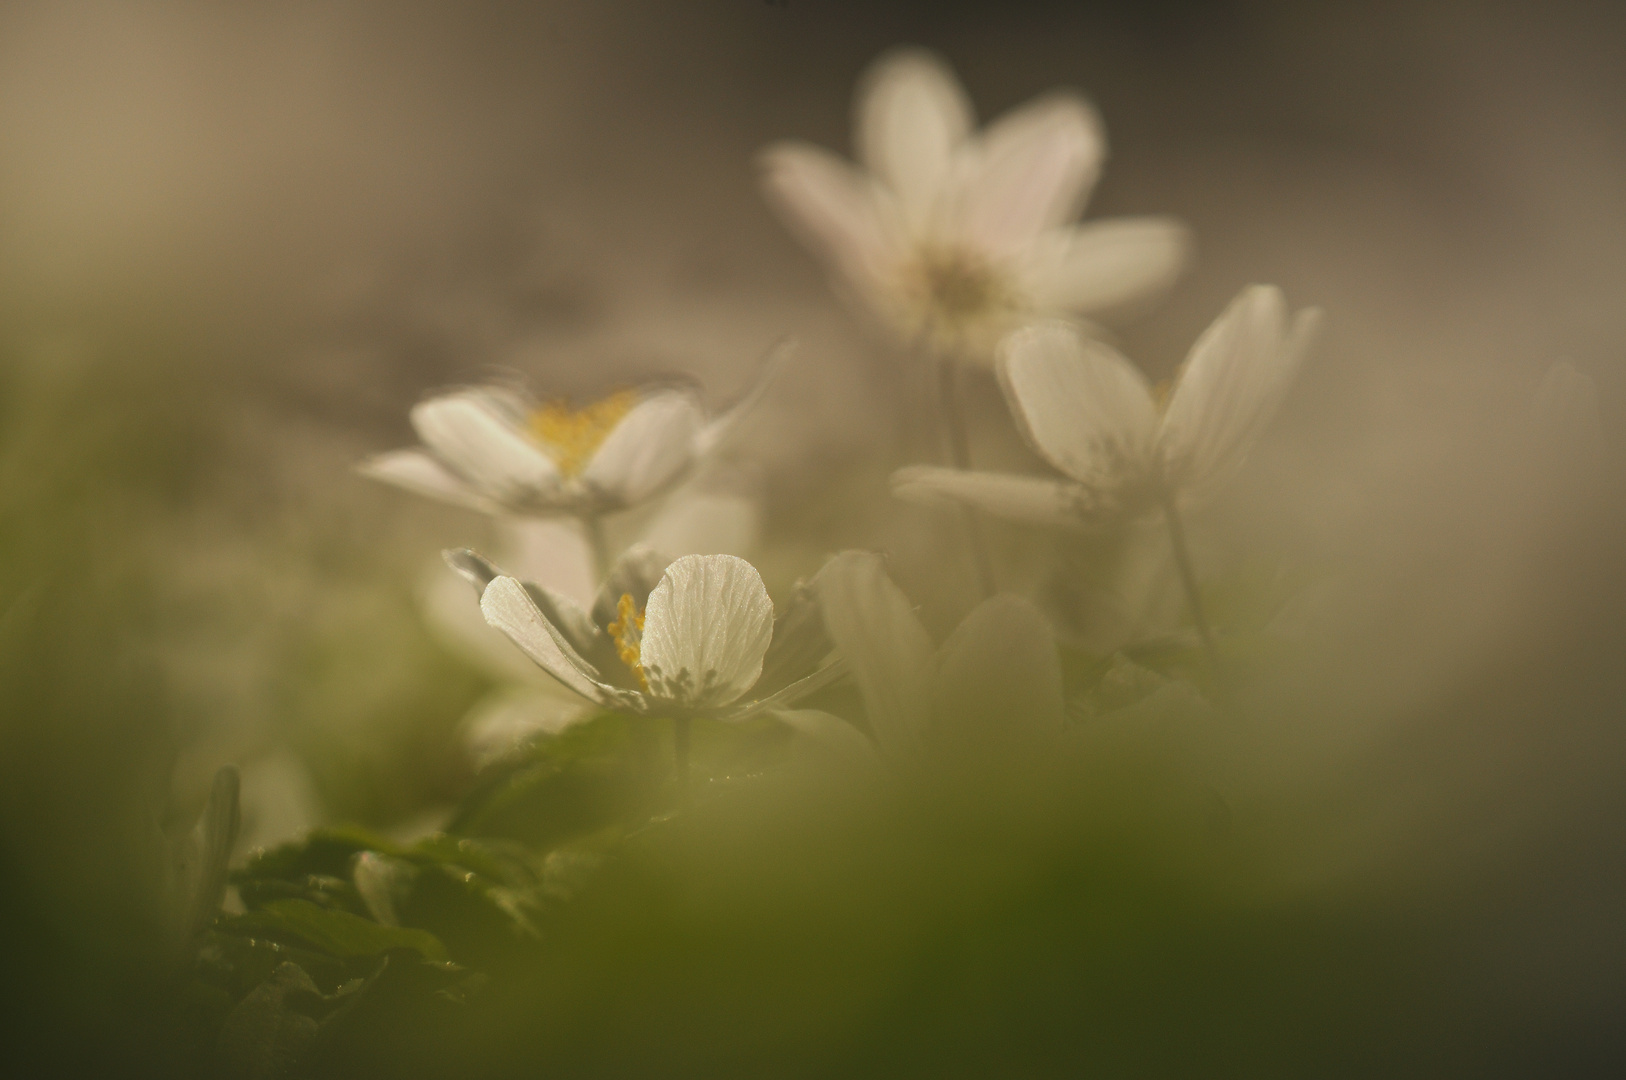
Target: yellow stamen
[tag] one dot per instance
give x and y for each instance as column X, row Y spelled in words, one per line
column 628, row 634
column 571, row 435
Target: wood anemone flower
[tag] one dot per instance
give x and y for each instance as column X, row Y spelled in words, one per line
column 955, row 236
column 684, row 638
column 1122, row 451
column 491, row 448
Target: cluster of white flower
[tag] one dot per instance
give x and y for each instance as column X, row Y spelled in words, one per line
column 964, row 244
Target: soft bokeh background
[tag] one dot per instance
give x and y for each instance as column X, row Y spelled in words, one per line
column 236, row 245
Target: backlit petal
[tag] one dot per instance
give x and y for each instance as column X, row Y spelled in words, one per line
column 476, row 434
column 1108, row 265
column 874, row 628
column 1084, row 407
column 912, row 116
column 1030, row 170
column 1032, row 499
column 834, row 209
column 1234, row 379
column 716, row 431
column 509, row 607
column 422, row 474
column 706, row 629
column 789, row 695
column 648, row 449
column 998, row 684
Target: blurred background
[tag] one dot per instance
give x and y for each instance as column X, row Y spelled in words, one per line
column 236, row 245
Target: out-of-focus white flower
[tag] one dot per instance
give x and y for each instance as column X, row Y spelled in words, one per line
column 994, row 686
column 493, row 449
column 955, row 236
column 690, row 637
column 1092, row 414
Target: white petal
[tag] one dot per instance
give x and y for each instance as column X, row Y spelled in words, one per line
column 476, row 433
column 1007, row 495
column 1029, row 171
column 712, row 435
column 453, row 616
column 877, row 633
column 912, row 116
column 651, row 447
column 1233, row 380
column 1085, row 408
column 634, row 574
column 1108, row 265
column 998, row 682
column 507, row 606
column 833, row 209
column 422, row 474
column 707, row 625
column 788, row 695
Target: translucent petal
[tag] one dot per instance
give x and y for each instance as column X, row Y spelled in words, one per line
column 834, row 209
column 786, row 696
column 635, row 574
column 1030, row 170
column 476, row 434
column 874, row 628
column 719, row 429
column 1086, row 409
column 509, row 607
column 912, row 116
column 1235, row 377
column 422, row 474
column 998, row 685
column 1007, row 495
column 650, row 448
column 706, row 629
column 1107, row 265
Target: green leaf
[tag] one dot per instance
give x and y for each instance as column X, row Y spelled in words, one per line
column 338, row 933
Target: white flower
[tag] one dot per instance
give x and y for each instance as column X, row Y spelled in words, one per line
column 693, row 637
column 1092, row 414
column 956, row 236
column 555, row 553
column 490, row 448
column 994, row 685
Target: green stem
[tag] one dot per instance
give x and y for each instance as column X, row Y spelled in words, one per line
column 959, row 454
column 1188, row 577
column 594, row 527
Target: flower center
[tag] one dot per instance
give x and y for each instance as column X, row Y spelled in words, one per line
column 628, row 634
column 571, row 435
column 959, row 286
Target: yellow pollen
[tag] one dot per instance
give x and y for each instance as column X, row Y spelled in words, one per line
column 571, row 435
column 628, row 634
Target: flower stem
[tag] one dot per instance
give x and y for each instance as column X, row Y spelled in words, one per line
column 680, row 755
column 959, row 454
column 1188, row 577
column 593, row 525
